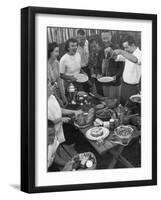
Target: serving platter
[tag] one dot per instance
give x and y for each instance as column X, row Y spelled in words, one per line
column 97, row 133
column 124, row 132
column 81, row 78
column 136, row 98
column 105, row 79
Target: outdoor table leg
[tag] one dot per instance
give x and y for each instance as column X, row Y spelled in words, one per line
column 124, row 161
column 115, row 157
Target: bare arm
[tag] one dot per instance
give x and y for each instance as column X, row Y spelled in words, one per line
column 66, row 112
column 69, row 112
column 127, row 55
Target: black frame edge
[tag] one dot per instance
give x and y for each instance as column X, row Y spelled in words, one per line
column 154, row 99
column 92, row 13
column 28, row 99
column 24, row 100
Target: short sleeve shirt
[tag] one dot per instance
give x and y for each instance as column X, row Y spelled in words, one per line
column 70, row 64
column 132, row 71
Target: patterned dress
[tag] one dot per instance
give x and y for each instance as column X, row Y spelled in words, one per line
column 55, row 82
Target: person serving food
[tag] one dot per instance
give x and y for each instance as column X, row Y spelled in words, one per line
column 131, row 55
column 55, row 131
column 110, row 68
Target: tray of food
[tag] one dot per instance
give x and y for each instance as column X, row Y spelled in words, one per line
column 97, row 133
column 105, row 114
column 99, row 106
column 84, row 161
column 85, row 119
column 124, row 132
column 122, row 135
column 111, row 103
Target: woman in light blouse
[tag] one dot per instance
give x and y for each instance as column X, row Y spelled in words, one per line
column 54, row 80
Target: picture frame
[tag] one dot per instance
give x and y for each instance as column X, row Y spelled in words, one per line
column 29, row 104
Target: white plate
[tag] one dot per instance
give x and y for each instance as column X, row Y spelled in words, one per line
column 81, row 78
column 132, row 98
column 91, row 137
column 105, row 79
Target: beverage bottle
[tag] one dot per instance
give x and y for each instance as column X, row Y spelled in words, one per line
column 112, row 124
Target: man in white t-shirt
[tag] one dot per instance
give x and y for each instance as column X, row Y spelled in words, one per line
column 70, row 63
column 132, row 70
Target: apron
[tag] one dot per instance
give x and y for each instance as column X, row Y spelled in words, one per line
column 54, row 112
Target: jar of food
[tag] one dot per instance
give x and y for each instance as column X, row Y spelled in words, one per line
column 71, row 93
column 85, row 96
column 81, row 99
column 106, row 124
column 112, row 124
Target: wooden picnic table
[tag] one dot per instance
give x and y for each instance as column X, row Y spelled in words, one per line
column 113, row 148
column 107, row 146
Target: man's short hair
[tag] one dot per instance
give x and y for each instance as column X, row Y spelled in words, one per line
column 81, row 32
column 73, row 40
column 130, row 39
column 106, row 31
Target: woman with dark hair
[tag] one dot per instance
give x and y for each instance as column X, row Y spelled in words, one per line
column 70, row 63
column 54, row 80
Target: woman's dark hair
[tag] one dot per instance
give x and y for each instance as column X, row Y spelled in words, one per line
column 81, row 32
column 130, row 39
column 71, row 40
column 51, row 47
column 92, row 40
